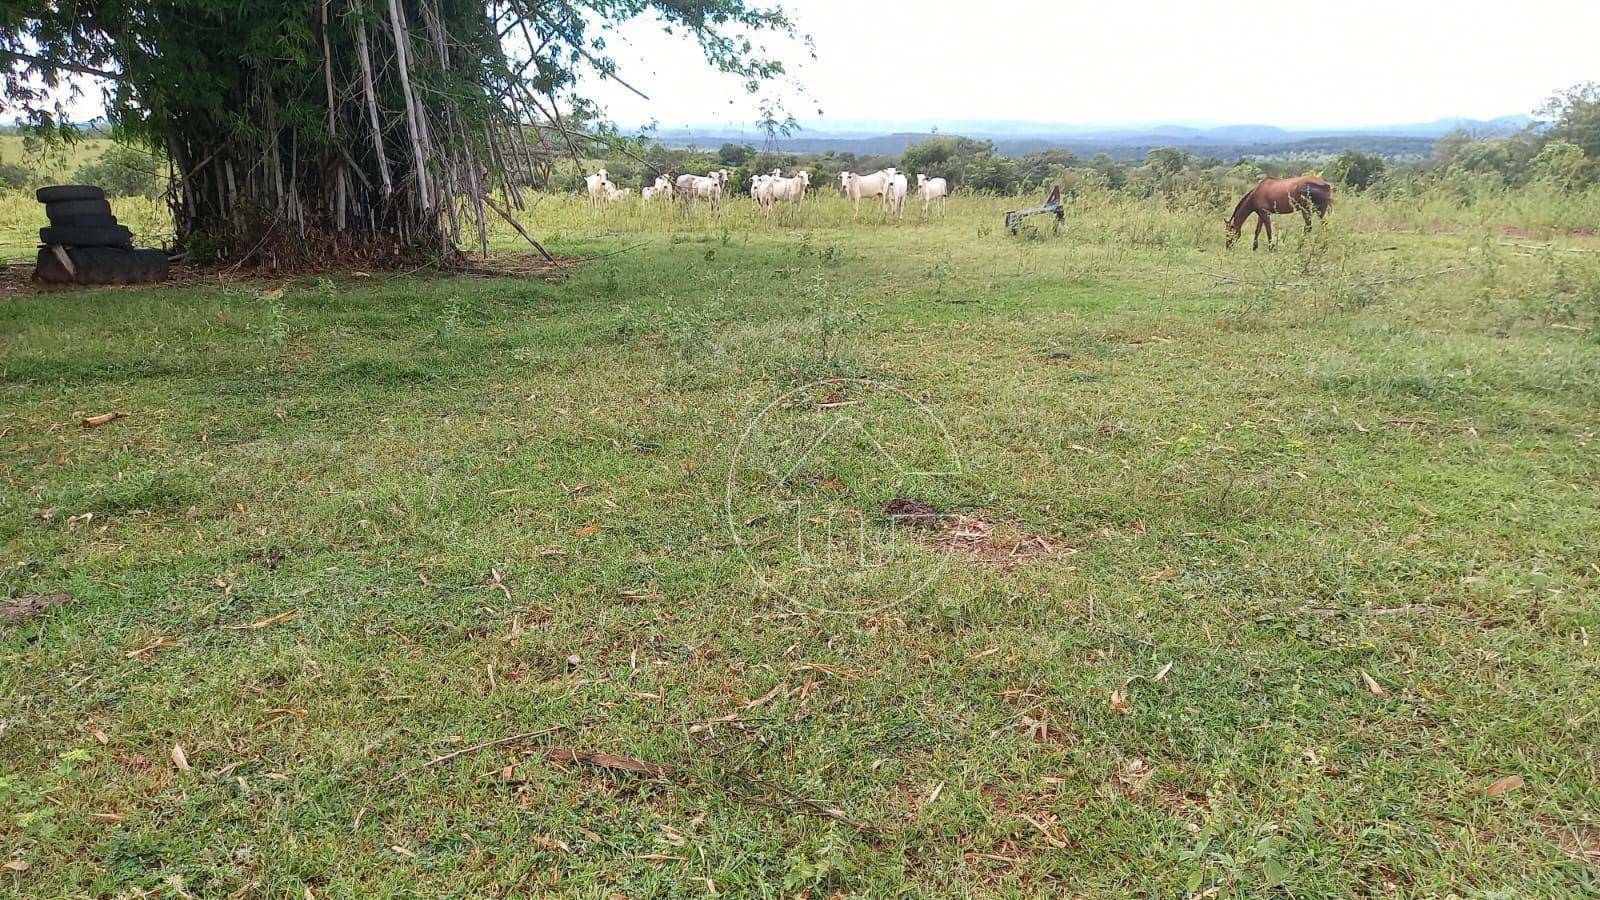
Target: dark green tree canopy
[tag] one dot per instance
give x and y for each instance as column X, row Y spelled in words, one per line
column 1574, row 117
column 391, row 125
column 1358, row 170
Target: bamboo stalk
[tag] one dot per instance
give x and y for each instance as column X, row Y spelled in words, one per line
column 471, row 164
column 413, row 114
column 333, row 122
column 365, row 57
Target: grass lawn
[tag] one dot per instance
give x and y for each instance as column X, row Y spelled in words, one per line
column 1334, row 510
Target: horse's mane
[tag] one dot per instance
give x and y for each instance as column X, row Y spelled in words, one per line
column 1238, row 210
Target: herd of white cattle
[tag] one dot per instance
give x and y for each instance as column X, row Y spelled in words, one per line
column 886, row 187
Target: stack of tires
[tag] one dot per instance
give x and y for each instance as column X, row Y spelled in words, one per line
column 84, row 244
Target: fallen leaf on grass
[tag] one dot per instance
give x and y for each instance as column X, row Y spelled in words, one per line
column 180, row 758
column 587, row 530
column 1504, row 785
column 1036, row 729
column 1119, row 698
column 1372, row 684
column 1044, row 829
column 103, row 419
column 280, row 617
column 159, row 644
column 603, row 760
column 767, row 697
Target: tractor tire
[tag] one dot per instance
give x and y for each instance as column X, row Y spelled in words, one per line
column 69, row 192
column 56, row 210
column 114, row 236
column 90, row 220
column 102, row 265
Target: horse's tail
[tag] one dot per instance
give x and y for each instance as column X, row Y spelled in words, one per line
column 1320, row 194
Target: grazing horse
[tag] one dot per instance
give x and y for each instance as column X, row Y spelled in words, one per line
column 1279, row 196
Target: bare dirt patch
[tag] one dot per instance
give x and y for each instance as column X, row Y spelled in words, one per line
column 978, row 538
column 21, row 608
column 997, row 542
column 1581, row 842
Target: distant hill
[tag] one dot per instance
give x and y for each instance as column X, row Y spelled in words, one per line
column 1121, row 142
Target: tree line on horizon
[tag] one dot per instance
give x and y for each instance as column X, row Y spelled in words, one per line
column 1561, row 148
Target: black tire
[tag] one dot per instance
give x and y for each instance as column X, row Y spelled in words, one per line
column 103, row 265
column 91, row 221
column 115, row 236
column 60, row 209
column 116, row 265
column 62, row 192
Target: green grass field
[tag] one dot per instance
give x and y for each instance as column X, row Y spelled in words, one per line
column 1333, row 509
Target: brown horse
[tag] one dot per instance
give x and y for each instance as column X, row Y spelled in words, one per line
column 1279, row 196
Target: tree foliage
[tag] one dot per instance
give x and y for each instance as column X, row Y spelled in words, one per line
column 123, row 171
column 1565, row 165
column 945, row 156
column 387, row 124
column 1574, row 116
column 1038, row 168
column 1167, row 161
column 1358, row 171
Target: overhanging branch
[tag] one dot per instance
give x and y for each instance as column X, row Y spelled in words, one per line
column 59, row 64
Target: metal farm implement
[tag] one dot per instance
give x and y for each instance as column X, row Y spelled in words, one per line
column 1051, row 205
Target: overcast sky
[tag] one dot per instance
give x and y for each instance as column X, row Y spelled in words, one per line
column 1287, row 63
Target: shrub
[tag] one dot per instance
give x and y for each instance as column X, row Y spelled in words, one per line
column 14, row 177
column 123, row 172
column 992, row 174
column 1358, row 171
column 1563, row 164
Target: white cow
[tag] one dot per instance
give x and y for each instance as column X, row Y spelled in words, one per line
column 662, row 188
column 598, row 183
column 759, row 192
column 790, row 190
column 703, row 187
column 615, row 194
column 894, row 195
column 875, row 186
column 931, row 189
